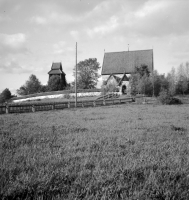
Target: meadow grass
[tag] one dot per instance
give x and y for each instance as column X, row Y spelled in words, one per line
column 114, row 152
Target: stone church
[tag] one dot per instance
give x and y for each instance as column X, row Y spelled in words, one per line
column 118, row 66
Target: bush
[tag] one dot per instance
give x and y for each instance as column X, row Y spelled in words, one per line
column 2, row 99
column 67, row 96
column 5, row 95
column 109, row 88
column 44, row 88
column 167, row 99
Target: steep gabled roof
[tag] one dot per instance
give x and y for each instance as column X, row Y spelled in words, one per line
column 126, row 61
column 115, row 77
column 56, row 69
column 57, row 66
column 124, row 78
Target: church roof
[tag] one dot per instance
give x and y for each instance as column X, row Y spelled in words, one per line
column 126, row 61
column 56, row 68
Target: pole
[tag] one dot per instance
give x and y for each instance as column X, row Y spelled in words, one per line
column 76, row 79
column 153, row 72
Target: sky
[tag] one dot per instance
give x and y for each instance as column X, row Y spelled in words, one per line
column 35, row 33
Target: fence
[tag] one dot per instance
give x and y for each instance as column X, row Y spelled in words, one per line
column 23, row 108
column 34, row 107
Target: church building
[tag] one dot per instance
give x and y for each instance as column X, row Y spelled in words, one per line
column 118, row 66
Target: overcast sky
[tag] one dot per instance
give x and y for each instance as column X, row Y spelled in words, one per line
column 35, row 33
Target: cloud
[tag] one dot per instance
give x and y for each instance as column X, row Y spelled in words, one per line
column 160, row 18
column 59, row 48
column 4, row 18
column 143, row 19
column 74, row 7
column 38, row 20
column 53, row 18
column 74, row 34
column 108, row 27
column 14, row 67
column 13, row 44
column 151, row 7
column 63, row 48
column 13, row 48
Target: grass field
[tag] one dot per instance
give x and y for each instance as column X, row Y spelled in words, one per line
column 114, row 152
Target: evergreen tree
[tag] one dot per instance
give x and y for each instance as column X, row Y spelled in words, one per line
column 5, row 95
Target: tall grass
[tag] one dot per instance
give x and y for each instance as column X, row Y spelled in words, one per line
column 115, row 152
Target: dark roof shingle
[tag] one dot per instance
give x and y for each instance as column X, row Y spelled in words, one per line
column 56, row 69
column 126, row 61
column 57, row 66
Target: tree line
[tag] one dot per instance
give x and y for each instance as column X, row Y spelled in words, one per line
column 87, row 78
column 176, row 82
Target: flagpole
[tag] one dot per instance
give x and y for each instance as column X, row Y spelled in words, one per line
column 153, row 71
column 76, row 79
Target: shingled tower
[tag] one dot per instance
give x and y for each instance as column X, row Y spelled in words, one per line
column 56, row 70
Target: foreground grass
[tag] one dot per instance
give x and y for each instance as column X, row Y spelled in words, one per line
column 118, row 152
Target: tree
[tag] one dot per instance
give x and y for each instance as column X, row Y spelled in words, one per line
column 5, row 95
column 140, row 81
column 134, row 81
column 55, row 83
column 182, row 86
column 187, row 69
column 31, row 86
column 182, row 79
column 44, row 88
column 142, row 71
column 160, row 83
column 171, row 78
column 87, row 73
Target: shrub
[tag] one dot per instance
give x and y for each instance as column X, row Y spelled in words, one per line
column 44, row 88
column 2, row 99
column 5, row 95
column 67, row 96
column 167, row 99
column 109, row 88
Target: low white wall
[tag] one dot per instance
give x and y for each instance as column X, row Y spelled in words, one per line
column 87, row 94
